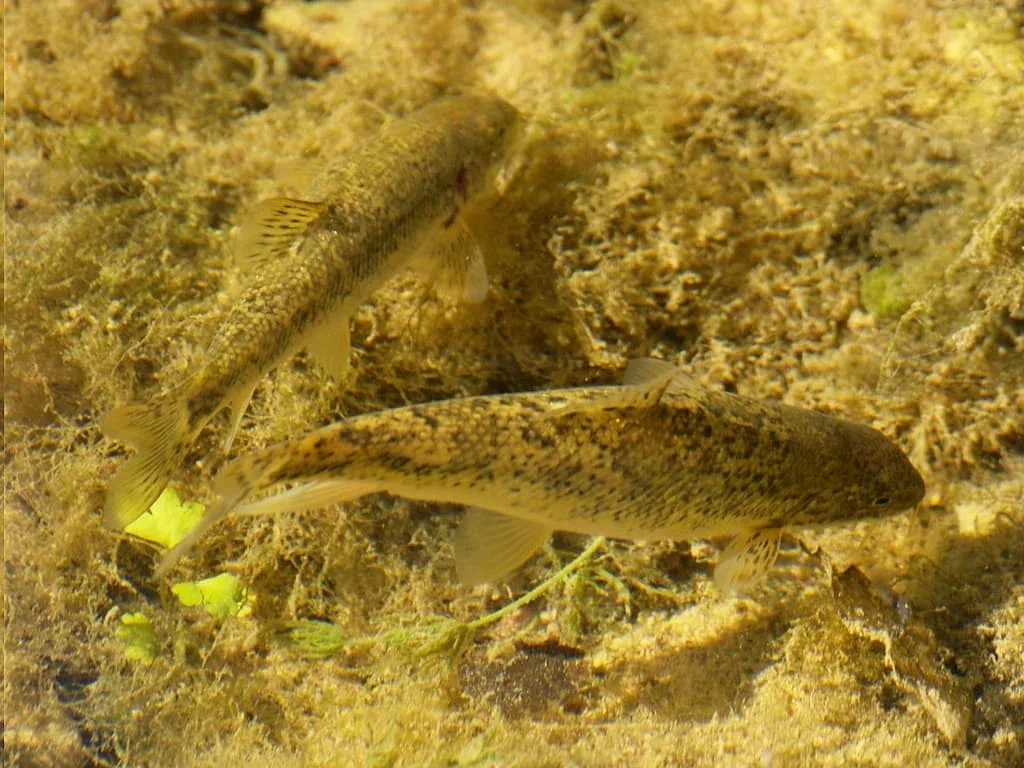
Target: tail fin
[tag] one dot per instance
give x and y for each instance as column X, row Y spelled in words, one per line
column 232, row 484
column 252, row 473
column 158, row 433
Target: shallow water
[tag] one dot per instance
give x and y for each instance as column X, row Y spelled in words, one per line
column 821, row 205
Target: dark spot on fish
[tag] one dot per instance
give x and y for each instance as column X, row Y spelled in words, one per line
column 535, row 406
column 398, row 463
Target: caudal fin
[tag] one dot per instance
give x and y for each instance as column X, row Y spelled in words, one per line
column 232, row 484
column 252, row 473
column 158, row 433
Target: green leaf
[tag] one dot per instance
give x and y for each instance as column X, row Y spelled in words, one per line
column 139, row 637
column 882, row 292
column 169, row 519
column 222, row 595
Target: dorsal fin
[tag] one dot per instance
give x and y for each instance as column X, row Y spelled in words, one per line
column 302, row 175
column 270, row 228
column 643, row 386
column 644, row 370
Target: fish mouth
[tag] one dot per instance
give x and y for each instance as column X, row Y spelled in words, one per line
column 919, row 489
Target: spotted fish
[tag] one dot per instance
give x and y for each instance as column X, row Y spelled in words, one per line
column 395, row 202
column 658, row 457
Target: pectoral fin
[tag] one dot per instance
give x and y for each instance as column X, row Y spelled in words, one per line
column 746, row 560
column 488, row 545
column 310, row 496
column 453, row 263
column 270, row 228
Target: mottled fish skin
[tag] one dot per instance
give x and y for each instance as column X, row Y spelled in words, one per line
column 390, row 200
column 682, row 463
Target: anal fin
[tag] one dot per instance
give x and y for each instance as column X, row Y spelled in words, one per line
column 238, row 403
column 489, row 544
column 746, row 560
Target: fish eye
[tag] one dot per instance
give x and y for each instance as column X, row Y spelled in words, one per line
column 881, row 501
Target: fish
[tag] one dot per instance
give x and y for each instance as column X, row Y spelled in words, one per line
column 395, row 202
column 659, row 457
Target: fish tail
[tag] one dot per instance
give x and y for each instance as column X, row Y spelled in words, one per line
column 158, row 432
column 232, row 484
column 246, row 475
column 256, row 472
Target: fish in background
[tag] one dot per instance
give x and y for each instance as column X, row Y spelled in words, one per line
column 658, row 457
column 392, row 203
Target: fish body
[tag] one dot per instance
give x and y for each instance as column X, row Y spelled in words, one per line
column 659, row 457
column 393, row 203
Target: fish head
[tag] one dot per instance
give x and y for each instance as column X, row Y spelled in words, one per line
column 484, row 129
column 871, row 476
column 895, row 488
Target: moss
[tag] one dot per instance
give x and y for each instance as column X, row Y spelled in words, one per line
column 730, row 187
column 882, row 293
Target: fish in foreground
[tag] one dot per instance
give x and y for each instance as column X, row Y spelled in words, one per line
column 659, row 457
column 393, row 203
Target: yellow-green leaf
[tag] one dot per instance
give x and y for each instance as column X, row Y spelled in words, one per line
column 139, row 638
column 168, row 520
column 222, row 595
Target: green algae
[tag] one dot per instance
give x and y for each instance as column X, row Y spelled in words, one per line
column 883, row 294
column 140, row 640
